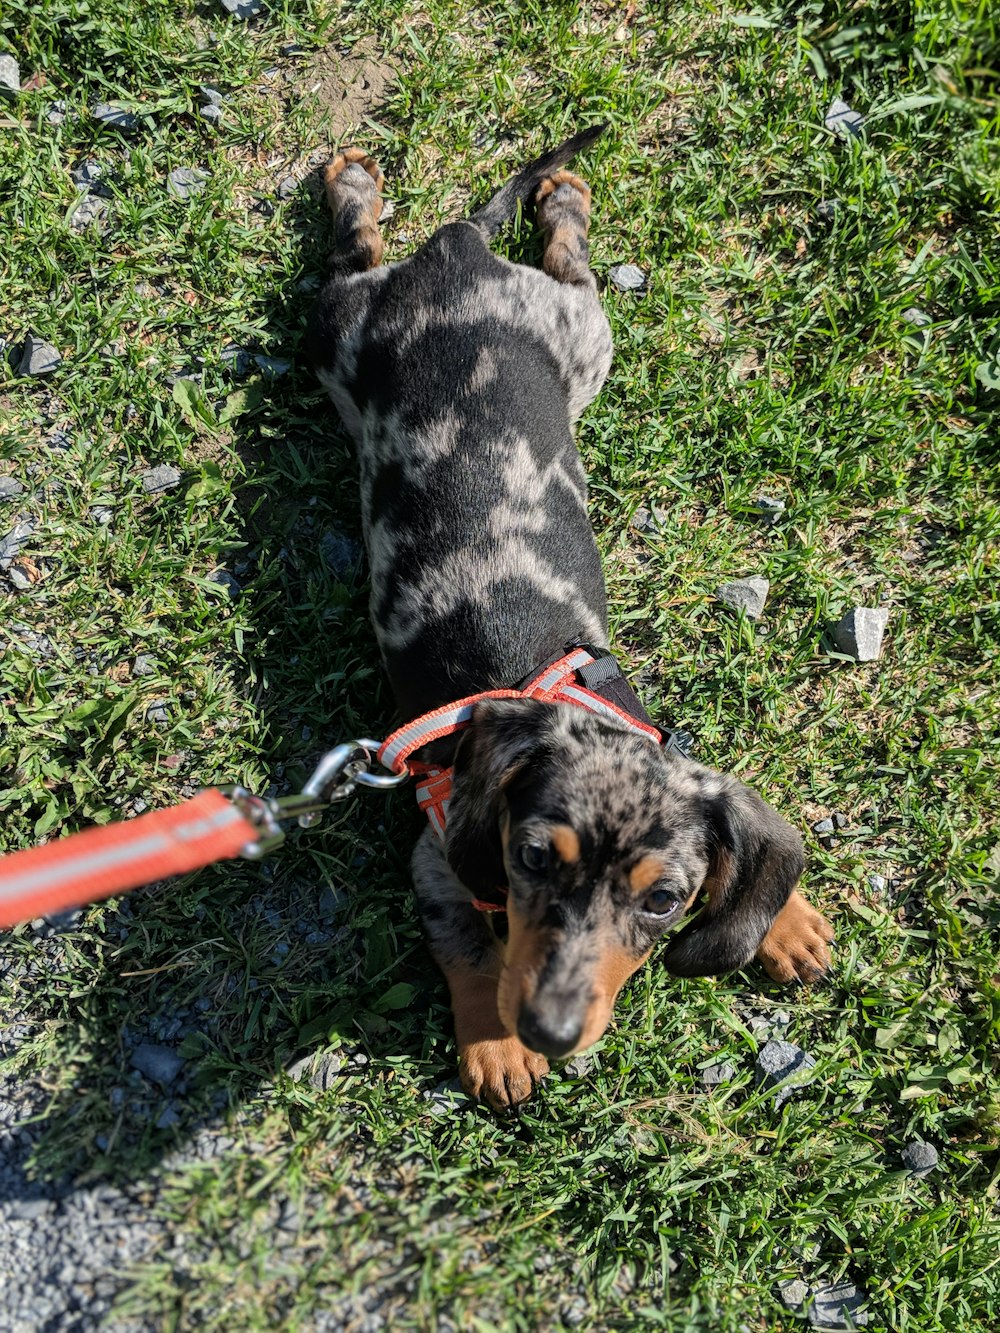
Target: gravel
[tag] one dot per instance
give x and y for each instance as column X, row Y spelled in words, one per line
column 212, row 113
column 340, row 554
column 16, row 538
column 242, row 9
column 186, row 182
column 823, row 826
column 158, row 713
column 144, row 665
column 91, row 211
column 920, row 1158
column 225, row 580
column 781, row 1060
column 827, row 1305
column 164, row 477
column 321, row 1071
column 287, row 187
column 746, row 595
column 10, row 76
column 10, row 488
column 37, row 357
column 159, row 1064
column 919, row 318
column 720, row 1072
column 826, row 209
column 91, row 177
column 210, row 96
column 769, row 508
column 238, row 359
column 272, row 366
column 116, row 117
column 627, row 278
column 859, row 633
column 877, row 883
column 56, row 113
column 842, row 121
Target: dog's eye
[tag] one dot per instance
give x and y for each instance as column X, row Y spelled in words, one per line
column 534, row 856
column 659, row 902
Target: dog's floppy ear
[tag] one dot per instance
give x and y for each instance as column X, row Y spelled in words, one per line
column 755, row 860
column 502, row 739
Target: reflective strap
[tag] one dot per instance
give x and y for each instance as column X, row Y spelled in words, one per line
column 113, row 858
column 594, row 703
column 432, row 726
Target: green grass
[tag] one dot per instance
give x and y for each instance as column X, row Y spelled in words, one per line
column 772, row 353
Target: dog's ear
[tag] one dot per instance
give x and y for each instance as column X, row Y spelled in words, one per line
column 502, row 739
column 755, row 860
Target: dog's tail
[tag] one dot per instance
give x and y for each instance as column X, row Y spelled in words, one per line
column 520, row 188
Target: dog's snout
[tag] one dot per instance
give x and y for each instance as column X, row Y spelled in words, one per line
column 552, row 1034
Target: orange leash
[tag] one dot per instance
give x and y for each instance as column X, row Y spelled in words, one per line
column 113, row 858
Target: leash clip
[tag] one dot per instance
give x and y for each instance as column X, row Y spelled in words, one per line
column 337, row 775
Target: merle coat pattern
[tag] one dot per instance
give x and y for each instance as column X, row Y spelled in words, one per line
column 460, row 377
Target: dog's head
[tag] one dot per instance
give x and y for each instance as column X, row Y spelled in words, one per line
column 604, row 842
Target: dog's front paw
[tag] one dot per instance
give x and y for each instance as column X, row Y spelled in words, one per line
column 503, row 1073
column 796, row 946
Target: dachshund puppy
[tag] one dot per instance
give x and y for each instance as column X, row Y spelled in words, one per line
column 460, row 377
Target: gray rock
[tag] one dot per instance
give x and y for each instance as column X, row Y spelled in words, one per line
column 580, row 1065
column 826, row 209
column 242, row 9
column 627, row 278
column 720, row 1072
column 37, row 357
column 838, row 1306
column 168, row 1117
column 19, row 579
column 186, row 182
column 10, row 76
column 330, row 903
column 144, row 665
column 56, row 113
column 10, row 488
column 839, row 819
column 769, row 507
column 11, row 545
column 859, row 633
column 446, row 1098
column 794, row 1292
column 679, row 742
column 91, row 177
column 340, row 554
column 877, row 883
column 58, row 923
column 159, row 1064
column 238, row 359
column 917, row 317
column 158, row 712
column 781, row 1060
column 920, row 1158
column 117, row 117
column 164, row 477
column 646, row 520
column 823, row 826
column 210, row 96
column 842, row 121
column 746, row 595
column 272, row 366
column 212, row 113
column 225, row 580
column 102, row 514
column 91, row 211
column 287, row 187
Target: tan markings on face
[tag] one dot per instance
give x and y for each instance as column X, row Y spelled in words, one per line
column 614, row 968
column 526, row 951
column 566, row 842
column 644, row 873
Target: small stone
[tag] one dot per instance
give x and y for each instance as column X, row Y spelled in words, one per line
column 330, row 903
column 225, row 580
column 446, row 1098
column 325, row 1071
column 210, row 96
column 859, row 633
column 290, row 1218
column 186, row 182
column 287, row 187
column 90, row 211
column 272, row 366
column 144, row 665
column 678, row 742
column 102, row 514
column 627, row 278
column 580, row 1065
column 20, row 580
column 746, row 595
column 242, row 9
column 842, row 121
column 769, row 507
column 168, row 1117
column 292, row 49
column 212, row 113
column 720, row 1072
column 823, row 826
column 919, row 1158
column 10, row 76
column 57, row 923
column 644, row 520
column 159, row 1064
column 37, row 357
column 90, row 177
column 839, row 819
column 826, row 209
column 238, row 359
column 781, row 1060
column 164, row 477
column 56, row 113
column 117, row 117
column 10, row 487
column 838, row 1306
column 917, row 317
column 10, row 546
column 158, row 712
column 794, row 1292
column 877, row 883
column 340, row 554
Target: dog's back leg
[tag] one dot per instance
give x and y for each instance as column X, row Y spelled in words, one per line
column 563, row 211
column 354, row 192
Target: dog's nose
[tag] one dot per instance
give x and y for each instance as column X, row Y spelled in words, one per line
column 552, row 1035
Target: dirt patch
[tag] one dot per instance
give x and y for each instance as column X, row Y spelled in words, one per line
column 349, row 85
